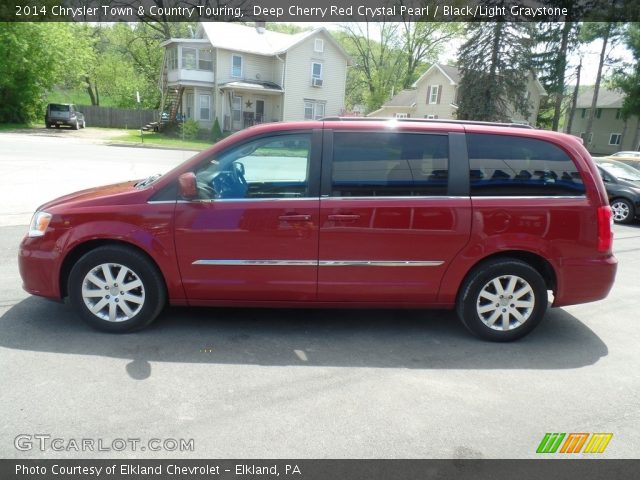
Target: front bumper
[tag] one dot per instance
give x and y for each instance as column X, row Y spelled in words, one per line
column 39, row 268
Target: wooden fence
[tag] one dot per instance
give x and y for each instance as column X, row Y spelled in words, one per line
column 117, row 117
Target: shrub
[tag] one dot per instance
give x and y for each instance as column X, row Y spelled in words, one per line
column 189, row 129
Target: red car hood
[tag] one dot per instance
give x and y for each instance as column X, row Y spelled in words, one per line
column 106, row 194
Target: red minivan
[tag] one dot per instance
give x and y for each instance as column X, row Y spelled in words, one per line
column 367, row 213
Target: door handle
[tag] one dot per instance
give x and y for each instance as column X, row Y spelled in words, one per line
column 294, row 217
column 344, row 218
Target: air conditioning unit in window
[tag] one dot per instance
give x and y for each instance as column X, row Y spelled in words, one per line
column 316, row 82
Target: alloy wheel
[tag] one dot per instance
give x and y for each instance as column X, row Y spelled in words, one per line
column 505, row 302
column 113, row 292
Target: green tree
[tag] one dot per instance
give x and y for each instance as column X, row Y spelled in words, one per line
column 555, row 41
column 35, row 57
column 494, row 62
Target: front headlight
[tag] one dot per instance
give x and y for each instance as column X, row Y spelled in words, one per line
column 39, row 224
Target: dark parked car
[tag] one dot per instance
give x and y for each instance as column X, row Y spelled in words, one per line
column 59, row 114
column 481, row 218
column 622, row 183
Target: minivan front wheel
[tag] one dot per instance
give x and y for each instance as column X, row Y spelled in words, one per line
column 116, row 289
column 502, row 300
column 622, row 211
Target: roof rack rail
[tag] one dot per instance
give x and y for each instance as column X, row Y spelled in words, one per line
column 426, row 120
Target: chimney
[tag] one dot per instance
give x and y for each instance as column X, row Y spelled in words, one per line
column 260, row 27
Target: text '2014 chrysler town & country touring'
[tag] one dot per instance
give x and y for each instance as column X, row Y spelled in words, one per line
column 482, row 218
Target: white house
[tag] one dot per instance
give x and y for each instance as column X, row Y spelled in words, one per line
column 244, row 75
column 435, row 95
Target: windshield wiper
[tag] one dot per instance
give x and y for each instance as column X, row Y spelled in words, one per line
column 147, row 181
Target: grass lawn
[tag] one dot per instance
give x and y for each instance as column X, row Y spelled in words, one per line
column 160, row 140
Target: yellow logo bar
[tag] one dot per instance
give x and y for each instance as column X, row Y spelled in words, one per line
column 598, row 442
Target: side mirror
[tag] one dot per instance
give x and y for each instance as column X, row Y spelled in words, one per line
column 187, row 186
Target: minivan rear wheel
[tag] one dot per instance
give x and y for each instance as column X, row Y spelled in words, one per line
column 502, row 300
column 116, row 289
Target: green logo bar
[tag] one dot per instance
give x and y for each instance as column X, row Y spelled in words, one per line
column 550, row 442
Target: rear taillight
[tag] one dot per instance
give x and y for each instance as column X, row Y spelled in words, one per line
column 605, row 230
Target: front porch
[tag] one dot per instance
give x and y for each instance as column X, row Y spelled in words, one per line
column 246, row 103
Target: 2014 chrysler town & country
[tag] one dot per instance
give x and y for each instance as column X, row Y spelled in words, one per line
column 483, row 218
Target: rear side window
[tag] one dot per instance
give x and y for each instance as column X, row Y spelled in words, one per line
column 373, row 164
column 502, row 165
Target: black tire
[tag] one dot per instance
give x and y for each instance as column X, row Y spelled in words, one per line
column 623, row 211
column 48, row 125
column 76, row 126
column 481, row 281
column 148, row 299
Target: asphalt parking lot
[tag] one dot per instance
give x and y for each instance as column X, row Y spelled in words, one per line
column 247, row 383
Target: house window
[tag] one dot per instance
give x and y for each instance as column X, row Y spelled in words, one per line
column 584, row 112
column 205, row 60
column 205, row 107
column 236, row 66
column 430, row 116
column 618, row 114
column 189, row 58
column 316, row 70
column 434, row 93
column 598, row 113
column 318, row 45
column 401, row 115
column 313, row 110
column 615, row 138
column 172, row 59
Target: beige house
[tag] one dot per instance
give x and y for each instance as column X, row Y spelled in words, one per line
column 610, row 133
column 245, row 75
column 435, row 95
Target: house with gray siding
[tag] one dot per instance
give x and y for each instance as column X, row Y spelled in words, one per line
column 610, row 132
column 245, row 75
column 435, row 95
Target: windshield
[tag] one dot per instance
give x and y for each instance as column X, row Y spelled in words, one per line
column 620, row 170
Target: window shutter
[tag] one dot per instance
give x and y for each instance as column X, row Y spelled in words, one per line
column 428, row 93
column 439, row 93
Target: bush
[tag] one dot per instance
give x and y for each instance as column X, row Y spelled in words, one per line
column 189, row 129
column 216, row 131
